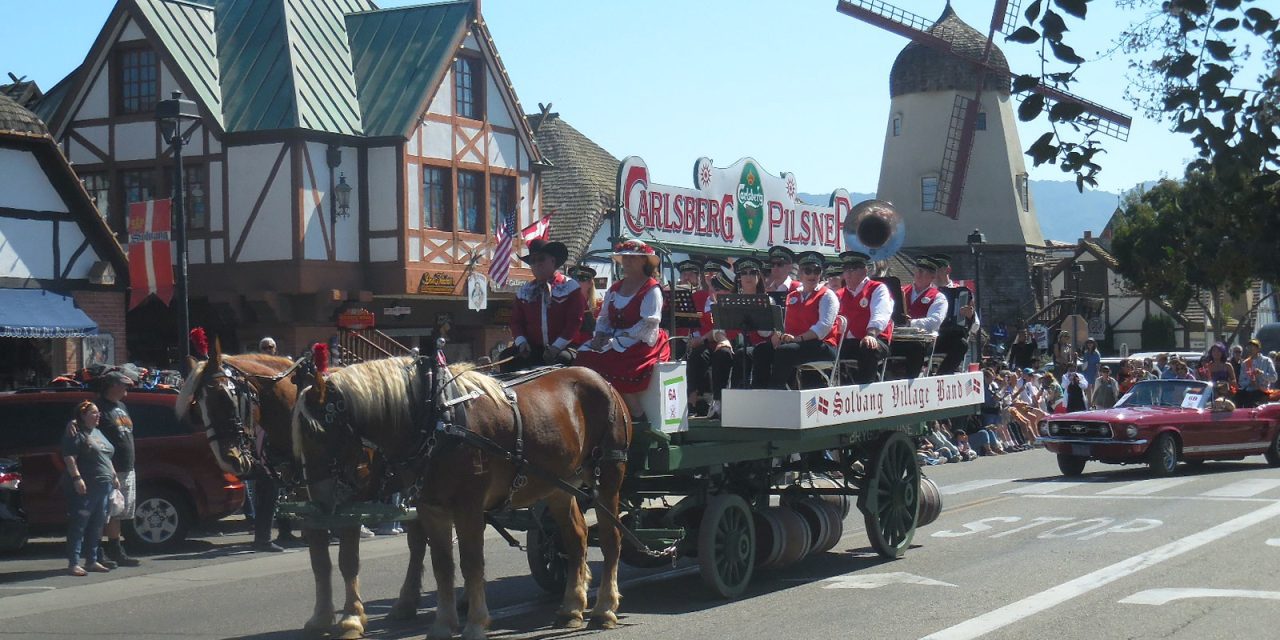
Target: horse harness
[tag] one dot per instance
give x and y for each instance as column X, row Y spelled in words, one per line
column 249, row 434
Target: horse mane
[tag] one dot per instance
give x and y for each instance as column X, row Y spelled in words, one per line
column 254, row 364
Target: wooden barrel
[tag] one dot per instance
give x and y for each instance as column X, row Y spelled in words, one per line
column 795, row 537
column 770, row 536
column 819, row 481
column 825, row 524
column 930, row 502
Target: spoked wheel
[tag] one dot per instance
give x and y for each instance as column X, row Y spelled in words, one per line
column 890, row 501
column 727, row 545
column 1162, row 457
column 548, row 563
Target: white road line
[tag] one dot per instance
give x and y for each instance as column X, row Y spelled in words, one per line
column 1145, row 487
column 1244, row 488
column 1191, row 498
column 1045, row 488
column 1054, row 596
column 28, row 588
column 971, row 485
column 529, row 607
column 1158, row 597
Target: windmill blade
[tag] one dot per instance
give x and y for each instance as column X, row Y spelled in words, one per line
column 1099, row 118
column 956, row 152
column 893, row 19
column 1004, row 18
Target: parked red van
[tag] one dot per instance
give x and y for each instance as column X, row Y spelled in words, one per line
column 179, row 482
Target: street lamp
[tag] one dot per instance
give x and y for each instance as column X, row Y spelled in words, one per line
column 1077, row 270
column 976, row 240
column 172, row 116
column 342, row 196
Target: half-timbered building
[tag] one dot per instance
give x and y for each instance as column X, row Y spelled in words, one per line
column 410, row 108
column 62, row 275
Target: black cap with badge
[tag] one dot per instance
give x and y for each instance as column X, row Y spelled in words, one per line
column 780, row 252
column 748, row 263
column 688, row 265
column 808, row 258
column 941, row 259
column 854, row 260
column 582, row 272
column 926, row 263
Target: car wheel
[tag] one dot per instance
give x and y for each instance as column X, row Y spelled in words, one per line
column 162, row 519
column 1162, row 457
column 1071, row 466
column 1273, row 452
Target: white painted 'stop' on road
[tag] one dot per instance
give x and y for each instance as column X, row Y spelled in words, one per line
column 972, row 485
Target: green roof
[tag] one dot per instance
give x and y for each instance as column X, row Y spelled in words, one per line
column 400, row 55
column 186, row 30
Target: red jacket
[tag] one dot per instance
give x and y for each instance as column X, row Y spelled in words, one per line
column 803, row 314
column 919, row 308
column 857, row 309
column 562, row 313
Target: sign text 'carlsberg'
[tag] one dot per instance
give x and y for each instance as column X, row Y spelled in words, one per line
column 737, row 206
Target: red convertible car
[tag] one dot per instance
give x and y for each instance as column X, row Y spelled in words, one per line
column 1160, row 422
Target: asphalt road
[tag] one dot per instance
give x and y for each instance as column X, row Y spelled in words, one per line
column 1017, row 553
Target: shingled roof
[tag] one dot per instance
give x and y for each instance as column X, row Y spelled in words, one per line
column 920, row 68
column 17, row 119
column 578, row 187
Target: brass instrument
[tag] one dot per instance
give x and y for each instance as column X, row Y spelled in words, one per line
column 875, row 227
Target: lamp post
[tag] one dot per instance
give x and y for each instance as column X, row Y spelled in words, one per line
column 172, row 115
column 976, row 240
column 1077, row 270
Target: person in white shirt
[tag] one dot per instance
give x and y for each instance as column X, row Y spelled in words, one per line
column 867, row 306
column 809, row 328
column 927, row 309
column 961, row 323
column 781, row 264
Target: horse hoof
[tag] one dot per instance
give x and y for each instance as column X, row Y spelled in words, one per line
column 569, row 621
column 438, row 632
column 474, row 632
column 403, row 611
column 606, row 620
column 317, row 627
column 349, row 628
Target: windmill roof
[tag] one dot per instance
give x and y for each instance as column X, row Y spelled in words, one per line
column 18, row 119
column 579, row 185
column 920, row 68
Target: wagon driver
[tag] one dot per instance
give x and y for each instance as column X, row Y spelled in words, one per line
column 628, row 341
column 548, row 311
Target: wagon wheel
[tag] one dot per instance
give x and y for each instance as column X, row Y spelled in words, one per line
column 548, row 563
column 890, row 500
column 727, row 545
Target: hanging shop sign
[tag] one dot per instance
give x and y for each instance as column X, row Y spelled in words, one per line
column 437, row 282
column 740, row 206
column 477, row 291
column 356, row 319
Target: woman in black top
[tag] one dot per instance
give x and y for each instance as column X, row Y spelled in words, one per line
column 1022, row 353
column 90, row 479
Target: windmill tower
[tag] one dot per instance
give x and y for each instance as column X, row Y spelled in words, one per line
column 952, row 158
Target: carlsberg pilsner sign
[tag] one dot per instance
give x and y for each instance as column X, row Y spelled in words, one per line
column 735, row 207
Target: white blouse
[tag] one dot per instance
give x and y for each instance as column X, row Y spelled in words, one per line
column 646, row 330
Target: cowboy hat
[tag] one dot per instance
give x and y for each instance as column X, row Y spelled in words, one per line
column 556, row 250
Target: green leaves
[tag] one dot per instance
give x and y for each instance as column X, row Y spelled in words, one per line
column 1031, row 108
column 1219, row 49
column 1024, row 35
column 1043, row 150
column 1065, row 53
column 1077, row 8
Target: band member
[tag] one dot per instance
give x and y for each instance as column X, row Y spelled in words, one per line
column 809, row 327
column 962, row 322
column 628, row 341
column 868, row 307
column 834, row 276
column 710, row 353
column 781, row 264
column 690, row 279
column 753, row 358
column 927, row 308
column 547, row 313
column 586, row 278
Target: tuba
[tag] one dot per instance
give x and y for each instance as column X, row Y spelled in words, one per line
column 874, row 227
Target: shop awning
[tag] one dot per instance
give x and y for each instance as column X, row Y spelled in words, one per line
column 36, row 313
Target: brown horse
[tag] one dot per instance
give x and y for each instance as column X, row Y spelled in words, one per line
column 230, row 394
column 575, row 427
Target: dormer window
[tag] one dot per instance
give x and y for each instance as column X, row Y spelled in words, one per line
column 468, row 87
column 137, row 81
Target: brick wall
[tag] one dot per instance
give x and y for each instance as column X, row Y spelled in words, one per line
column 1006, row 292
column 107, row 309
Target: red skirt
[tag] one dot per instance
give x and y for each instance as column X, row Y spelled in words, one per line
column 628, row 371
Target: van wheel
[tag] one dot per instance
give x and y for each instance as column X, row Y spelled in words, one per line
column 1273, row 451
column 162, row 519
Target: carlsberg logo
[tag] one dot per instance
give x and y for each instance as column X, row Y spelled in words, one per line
column 750, row 203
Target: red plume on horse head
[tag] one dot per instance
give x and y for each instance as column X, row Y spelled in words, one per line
column 199, row 343
column 320, row 356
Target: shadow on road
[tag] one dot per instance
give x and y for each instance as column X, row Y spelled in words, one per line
column 1115, row 474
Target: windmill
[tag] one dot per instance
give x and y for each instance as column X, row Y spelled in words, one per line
column 958, row 147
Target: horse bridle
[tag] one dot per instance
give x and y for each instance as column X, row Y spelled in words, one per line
column 235, row 382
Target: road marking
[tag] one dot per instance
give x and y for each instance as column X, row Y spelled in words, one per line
column 1274, row 542
column 1044, row 488
column 1054, row 596
column 1145, row 487
column 28, row 588
column 971, row 485
column 549, row 601
column 1192, row 498
column 1244, row 488
column 1158, row 597
column 877, row 580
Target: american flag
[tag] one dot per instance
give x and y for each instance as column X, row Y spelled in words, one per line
column 501, row 265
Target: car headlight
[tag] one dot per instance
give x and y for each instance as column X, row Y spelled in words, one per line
column 1127, row 431
column 1044, row 430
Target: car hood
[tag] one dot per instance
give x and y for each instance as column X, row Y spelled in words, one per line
column 1134, row 415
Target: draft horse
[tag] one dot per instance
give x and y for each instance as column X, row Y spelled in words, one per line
column 568, row 425
column 245, row 404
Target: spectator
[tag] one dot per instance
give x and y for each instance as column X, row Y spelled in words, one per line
column 1180, row 371
column 1106, row 391
column 946, row 449
column 267, row 345
column 1077, row 389
column 117, row 426
column 1063, row 353
column 1258, row 374
column 1023, row 351
column 1222, row 397
column 90, row 479
column 1161, row 366
column 1051, row 393
column 1129, row 375
column 1237, row 357
column 1092, row 360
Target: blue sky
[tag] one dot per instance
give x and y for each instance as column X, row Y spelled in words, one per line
column 794, row 84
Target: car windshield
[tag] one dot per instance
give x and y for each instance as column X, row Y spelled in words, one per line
column 1167, row 393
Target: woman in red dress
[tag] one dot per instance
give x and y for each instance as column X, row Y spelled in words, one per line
column 628, row 341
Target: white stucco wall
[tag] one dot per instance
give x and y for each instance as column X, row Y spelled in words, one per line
column 97, row 102
column 270, row 238
column 23, row 184
column 25, row 248
column 382, row 188
column 136, row 141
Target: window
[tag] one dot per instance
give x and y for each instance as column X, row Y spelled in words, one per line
column 196, row 198
column 929, row 193
column 435, row 187
column 982, row 121
column 502, row 199
column 897, row 125
column 99, row 187
column 468, row 81
column 138, row 87
column 1024, row 197
column 137, row 185
column 470, row 201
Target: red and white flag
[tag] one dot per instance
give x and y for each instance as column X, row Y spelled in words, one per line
column 540, row 230
column 150, row 251
column 500, row 267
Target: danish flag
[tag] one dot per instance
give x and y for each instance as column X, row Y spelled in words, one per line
column 540, row 230
column 150, row 252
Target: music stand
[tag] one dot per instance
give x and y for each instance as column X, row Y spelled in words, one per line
column 747, row 312
column 684, row 316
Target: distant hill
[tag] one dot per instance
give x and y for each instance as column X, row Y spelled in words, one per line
column 1065, row 214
